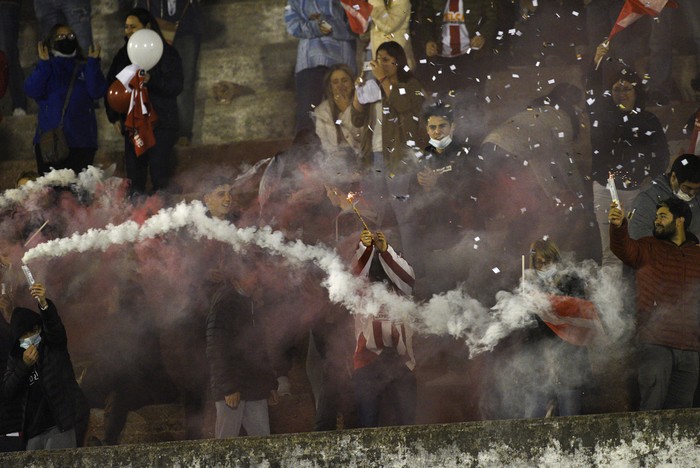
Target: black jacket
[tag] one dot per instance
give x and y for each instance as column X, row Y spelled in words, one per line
column 10, row 411
column 236, row 350
column 55, row 368
column 165, row 84
column 631, row 144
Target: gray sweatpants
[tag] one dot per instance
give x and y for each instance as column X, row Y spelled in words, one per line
column 52, row 439
column 252, row 415
column 667, row 377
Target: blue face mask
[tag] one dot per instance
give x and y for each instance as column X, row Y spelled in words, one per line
column 32, row 340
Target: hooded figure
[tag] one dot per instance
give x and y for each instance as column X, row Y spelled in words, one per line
column 39, row 378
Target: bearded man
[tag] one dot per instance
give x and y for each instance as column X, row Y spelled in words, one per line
column 667, row 268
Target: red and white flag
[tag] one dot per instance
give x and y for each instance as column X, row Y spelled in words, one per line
column 632, row 10
column 358, row 12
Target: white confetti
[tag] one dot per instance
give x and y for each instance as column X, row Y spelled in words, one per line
column 495, row 270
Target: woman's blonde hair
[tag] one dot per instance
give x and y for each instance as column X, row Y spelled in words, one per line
column 547, row 249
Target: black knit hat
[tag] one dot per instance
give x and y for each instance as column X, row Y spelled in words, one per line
column 23, row 321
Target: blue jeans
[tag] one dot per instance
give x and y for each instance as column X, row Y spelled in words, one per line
column 76, row 13
column 386, row 377
column 667, row 377
column 9, row 35
column 187, row 46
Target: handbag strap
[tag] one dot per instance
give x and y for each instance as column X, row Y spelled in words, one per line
column 70, row 91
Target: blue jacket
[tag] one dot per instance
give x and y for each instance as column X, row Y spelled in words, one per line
column 48, row 86
column 315, row 49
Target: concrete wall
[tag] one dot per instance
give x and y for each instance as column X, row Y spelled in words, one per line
column 669, row 438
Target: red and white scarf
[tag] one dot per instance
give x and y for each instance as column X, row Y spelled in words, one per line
column 141, row 116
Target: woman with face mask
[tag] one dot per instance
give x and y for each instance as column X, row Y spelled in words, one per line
column 39, row 379
column 60, row 58
column 560, row 336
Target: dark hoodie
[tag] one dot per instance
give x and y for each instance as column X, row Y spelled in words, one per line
column 54, row 401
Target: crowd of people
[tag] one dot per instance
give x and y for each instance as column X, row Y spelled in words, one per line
column 394, row 170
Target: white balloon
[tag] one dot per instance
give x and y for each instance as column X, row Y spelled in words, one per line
column 145, row 48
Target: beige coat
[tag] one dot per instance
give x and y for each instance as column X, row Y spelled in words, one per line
column 391, row 24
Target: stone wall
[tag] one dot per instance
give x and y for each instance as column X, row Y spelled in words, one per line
column 667, row 438
column 244, row 42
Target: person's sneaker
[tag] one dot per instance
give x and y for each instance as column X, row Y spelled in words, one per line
column 283, row 387
column 19, row 112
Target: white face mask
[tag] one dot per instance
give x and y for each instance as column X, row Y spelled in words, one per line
column 441, row 144
column 547, row 273
column 683, row 196
column 32, row 340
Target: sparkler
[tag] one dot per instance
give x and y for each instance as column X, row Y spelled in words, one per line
column 351, row 198
column 612, row 188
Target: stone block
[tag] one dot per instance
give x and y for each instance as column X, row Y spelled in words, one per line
column 16, row 136
column 260, row 116
column 244, row 24
column 668, row 438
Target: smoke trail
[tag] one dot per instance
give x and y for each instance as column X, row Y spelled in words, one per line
column 452, row 313
column 87, row 181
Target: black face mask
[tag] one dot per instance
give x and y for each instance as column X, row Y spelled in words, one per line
column 66, row 46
